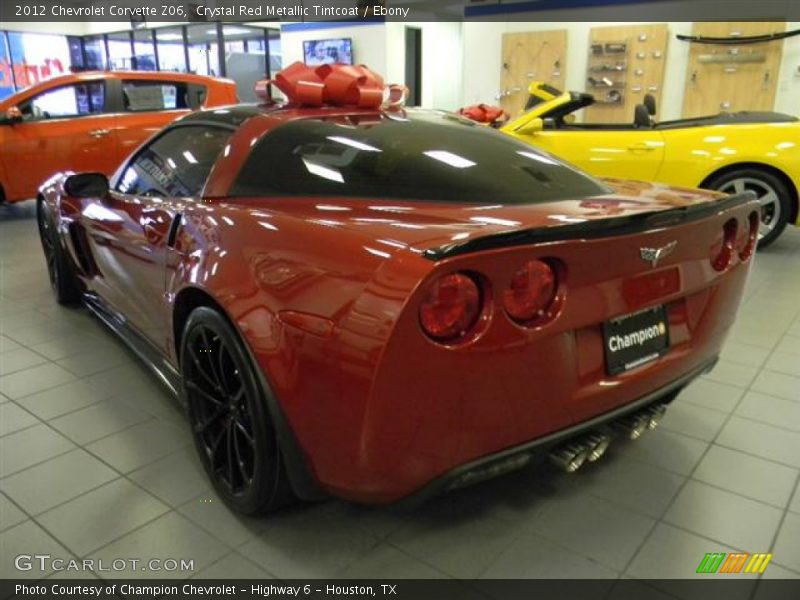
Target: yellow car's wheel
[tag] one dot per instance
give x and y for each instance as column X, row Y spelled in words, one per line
column 772, row 194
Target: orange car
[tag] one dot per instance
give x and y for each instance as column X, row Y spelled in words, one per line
column 91, row 121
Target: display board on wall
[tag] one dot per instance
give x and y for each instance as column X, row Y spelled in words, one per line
column 531, row 56
column 732, row 77
column 624, row 64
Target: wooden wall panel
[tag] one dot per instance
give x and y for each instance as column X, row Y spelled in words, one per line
column 531, row 56
column 645, row 59
column 721, row 78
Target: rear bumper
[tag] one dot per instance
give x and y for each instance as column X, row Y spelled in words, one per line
column 509, row 459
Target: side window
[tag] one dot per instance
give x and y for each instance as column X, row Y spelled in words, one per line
column 176, row 163
column 144, row 95
column 75, row 100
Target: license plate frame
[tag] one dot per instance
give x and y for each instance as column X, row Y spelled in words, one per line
column 633, row 340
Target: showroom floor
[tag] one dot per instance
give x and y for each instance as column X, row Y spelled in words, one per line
column 96, row 461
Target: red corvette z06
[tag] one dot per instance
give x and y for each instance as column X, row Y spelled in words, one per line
column 384, row 303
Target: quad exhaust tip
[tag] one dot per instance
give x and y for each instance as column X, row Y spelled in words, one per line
column 633, row 427
column 655, row 415
column 570, row 458
column 598, row 444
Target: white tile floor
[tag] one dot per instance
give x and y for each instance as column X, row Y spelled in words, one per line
column 96, row 461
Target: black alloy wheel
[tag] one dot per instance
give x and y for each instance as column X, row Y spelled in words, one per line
column 62, row 280
column 229, row 418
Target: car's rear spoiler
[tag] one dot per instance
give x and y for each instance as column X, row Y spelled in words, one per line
column 594, row 229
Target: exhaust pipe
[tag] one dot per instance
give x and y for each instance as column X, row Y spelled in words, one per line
column 633, row 426
column 597, row 444
column 570, row 458
column 655, row 414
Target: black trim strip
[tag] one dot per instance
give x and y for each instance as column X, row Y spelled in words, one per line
column 177, row 220
column 602, row 228
column 543, row 444
column 165, row 372
column 738, row 40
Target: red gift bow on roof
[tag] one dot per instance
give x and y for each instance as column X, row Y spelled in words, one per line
column 340, row 85
column 484, row 113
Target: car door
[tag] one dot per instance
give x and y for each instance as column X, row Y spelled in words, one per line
column 131, row 229
column 623, row 153
column 147, row 105
column 68, row 127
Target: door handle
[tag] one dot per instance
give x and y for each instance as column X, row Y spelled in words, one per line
column 98, row 133
column 641, row 147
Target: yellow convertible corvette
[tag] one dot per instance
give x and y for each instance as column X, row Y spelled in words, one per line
column 729, row 152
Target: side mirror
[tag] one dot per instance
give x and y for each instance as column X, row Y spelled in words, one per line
column 532, row 127
column 12, row 115
column 87, row 185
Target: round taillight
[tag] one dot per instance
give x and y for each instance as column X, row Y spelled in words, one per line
column 451, row 307
column 754, row 223
column 531, row 292
column 723, row 253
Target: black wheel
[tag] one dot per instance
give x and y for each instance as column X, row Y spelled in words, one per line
column 62, row 279
column 772, row 193
column 229, row 417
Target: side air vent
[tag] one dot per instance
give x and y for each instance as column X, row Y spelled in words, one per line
column 82, row 252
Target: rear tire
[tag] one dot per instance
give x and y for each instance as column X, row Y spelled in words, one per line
column 230, row 421
column 63, row 281
column 773, row 195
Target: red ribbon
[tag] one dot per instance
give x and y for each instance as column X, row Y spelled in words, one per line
column 484, row 113
column 339, row 85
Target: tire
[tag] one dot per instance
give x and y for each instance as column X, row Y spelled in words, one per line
column 228, row 413
column 773, row 195
column 63, row 281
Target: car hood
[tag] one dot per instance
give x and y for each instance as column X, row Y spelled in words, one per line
column 423, row 225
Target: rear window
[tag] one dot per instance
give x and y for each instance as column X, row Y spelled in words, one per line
column 431, row 157
column 142, row 95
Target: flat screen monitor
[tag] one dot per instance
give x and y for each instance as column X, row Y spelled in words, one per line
column 325, row 52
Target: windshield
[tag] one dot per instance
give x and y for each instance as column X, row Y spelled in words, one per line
column 427, row 156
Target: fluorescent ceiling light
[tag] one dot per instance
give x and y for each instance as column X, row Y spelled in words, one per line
column 353, row 143
column 539, row 157
column 454, row 160
column 324, row 172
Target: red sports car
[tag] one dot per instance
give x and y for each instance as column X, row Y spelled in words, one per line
column 381, row 303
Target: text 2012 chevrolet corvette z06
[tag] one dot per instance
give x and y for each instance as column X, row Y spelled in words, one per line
column 379, row 304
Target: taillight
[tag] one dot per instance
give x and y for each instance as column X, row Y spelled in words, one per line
column 722, row 254
column 753, row 222
column 451, row 307
column 531, row 292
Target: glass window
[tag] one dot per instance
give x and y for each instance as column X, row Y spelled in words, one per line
column 120, row 57
column 203, row 49
column 76, row 53
column 171, row 56
column 37, row 56
column 275, row 53
column 95, row 50
column 141, row 95
column 144, row 50
column 175, row 164
column 439, row 158
column 74, row 100
column 6, row 75
column 245, row 59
